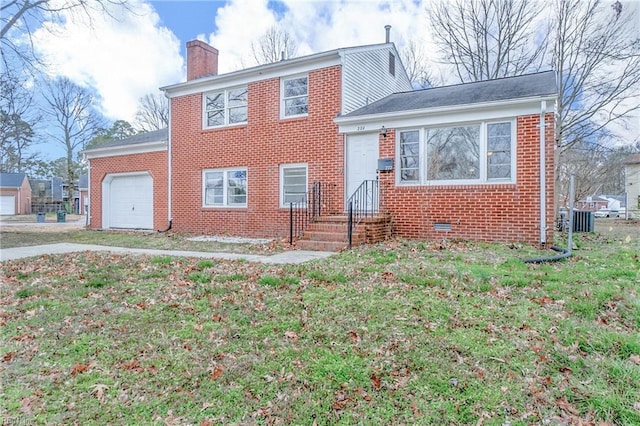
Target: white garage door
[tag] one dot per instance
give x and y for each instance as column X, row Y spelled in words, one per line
column 131, row 202
column 7, row 204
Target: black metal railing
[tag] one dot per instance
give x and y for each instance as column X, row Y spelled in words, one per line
column 316, row 202
column 364, row 202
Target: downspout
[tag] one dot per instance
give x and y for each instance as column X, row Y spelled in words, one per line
column 87, row 204
column 169, row 177
column 543, row 178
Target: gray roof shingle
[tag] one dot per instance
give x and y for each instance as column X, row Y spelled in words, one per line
column 140, row 138
column 525, row 86
column 11, row 180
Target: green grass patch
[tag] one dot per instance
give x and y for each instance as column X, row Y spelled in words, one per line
column 402, row 332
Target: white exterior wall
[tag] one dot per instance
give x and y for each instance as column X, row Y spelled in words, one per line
column 366, row 77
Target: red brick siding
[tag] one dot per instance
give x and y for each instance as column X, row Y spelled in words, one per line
column 488, row 212
column 262, row 145
column 155, row 163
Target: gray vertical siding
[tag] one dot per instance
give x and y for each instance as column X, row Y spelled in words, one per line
column 366, row 77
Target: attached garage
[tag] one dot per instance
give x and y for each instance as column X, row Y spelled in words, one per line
column 127, row 183
column 128, row 201
column 7, row 204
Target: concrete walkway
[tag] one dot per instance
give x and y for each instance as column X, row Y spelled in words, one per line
column 287, row 257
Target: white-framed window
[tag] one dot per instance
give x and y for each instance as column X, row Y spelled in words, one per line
column 294, row 96
column 293, row 183
column 224, row 187
column 457, row 154
column 225, row 107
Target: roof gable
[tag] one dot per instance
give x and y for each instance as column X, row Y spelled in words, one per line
column 12, row 180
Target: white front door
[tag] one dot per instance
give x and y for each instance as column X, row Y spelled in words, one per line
column 362, row 164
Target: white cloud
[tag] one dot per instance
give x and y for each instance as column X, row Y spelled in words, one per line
column 315, row 25
column 122, row 57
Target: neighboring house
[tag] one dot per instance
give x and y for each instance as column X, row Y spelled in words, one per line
column 15, row 194
column 592, row 203
column 460, row 161
column 46, row 194
column 632, row 185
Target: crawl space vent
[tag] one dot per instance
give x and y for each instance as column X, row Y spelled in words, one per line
column 442, row 226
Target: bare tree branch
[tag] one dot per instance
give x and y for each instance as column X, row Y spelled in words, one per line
column 487, row 39
column 74, row 119
column 17, row 17
column 275, row 45
column 153, row 113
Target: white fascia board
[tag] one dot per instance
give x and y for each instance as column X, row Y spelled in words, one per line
column 250, row 75
column 443, row 115
column 141, row 148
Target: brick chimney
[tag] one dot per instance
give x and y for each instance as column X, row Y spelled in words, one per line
column 202, row 59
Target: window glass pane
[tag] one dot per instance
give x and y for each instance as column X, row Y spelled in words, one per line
column 453, row 153
column 215, row 101
column 214, row 187
column 237, row 187
column 295, row 87
column 295, row 106
column 294, row 185
column 499, row 150
column 238, row 97
column 215, row 118
column 410, row 156
column 238, row 115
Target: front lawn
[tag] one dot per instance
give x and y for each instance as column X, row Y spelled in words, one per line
column 397, row 333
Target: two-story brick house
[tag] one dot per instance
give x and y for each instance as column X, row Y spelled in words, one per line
column 460, row 161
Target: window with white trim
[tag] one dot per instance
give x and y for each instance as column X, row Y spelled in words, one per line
column 225, row 107
column 224, row 187
column 294, row 94
column 293, row 183
column 457, row 154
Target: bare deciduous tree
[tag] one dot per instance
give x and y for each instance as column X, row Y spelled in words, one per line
column 19, row 17
column 415, row 62
column 276, row 44
column 486, row 39
column 73, row 117
column 17, row 121
column 153, row 113
column 597, row 58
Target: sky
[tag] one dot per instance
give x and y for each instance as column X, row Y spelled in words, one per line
column 136, row 53
column 130, row 54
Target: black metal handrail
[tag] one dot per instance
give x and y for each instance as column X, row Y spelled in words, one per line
column 316, row 202
column 364, row 202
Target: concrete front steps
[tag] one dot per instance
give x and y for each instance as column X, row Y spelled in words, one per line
column 329, row 233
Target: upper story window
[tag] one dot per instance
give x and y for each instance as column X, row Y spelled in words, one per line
column 225, row 107
column 470, row 153
column 224, row 187
column 294, row 96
